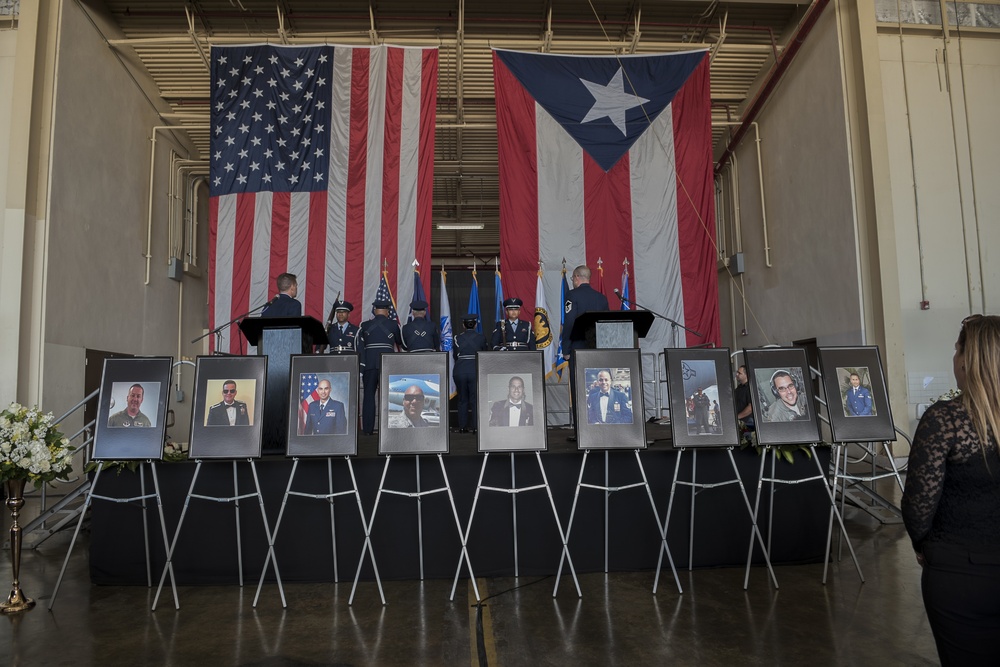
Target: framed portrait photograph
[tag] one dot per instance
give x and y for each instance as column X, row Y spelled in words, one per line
column 323, row 405
column 132, row 408
column 856, row 395
column 511, row 407
column 414, row 392
column 784, row 406
column 702, row 413
column 228, row 404
column 609, row 399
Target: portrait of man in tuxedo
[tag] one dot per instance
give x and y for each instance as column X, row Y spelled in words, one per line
column 513, row 410
column 607, row 404
column 228, row 411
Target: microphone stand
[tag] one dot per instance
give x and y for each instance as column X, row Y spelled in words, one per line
column 218, row 330
column 674, row 325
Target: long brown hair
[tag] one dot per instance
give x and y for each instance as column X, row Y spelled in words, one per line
column 979, row 344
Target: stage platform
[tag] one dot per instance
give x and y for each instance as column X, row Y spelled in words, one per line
column 206, row 550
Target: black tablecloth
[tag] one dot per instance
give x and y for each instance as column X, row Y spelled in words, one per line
column 206, row 549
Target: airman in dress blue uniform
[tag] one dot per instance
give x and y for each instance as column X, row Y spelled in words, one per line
column 513, row 333
column 285, row 304
column 581, row 299
column 375, row 337
column 463, row 349
column 420, row 335
column 342, row 333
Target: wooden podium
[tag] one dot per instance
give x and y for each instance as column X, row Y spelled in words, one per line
column 279, row 338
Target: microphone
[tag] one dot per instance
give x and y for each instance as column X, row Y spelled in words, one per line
column 618, row 294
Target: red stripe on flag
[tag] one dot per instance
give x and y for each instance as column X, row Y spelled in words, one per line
column 281, row 208
column 213, row 235
column 246, row 205
column 390, row 164
column 692, row 148
column 607, row 214
column 315, row 278
column 518, row 169
column 357, row 176
column 425, row 168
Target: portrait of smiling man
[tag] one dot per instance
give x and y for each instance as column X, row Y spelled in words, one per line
column 413, row 407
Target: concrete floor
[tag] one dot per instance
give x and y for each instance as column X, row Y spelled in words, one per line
column 618, row 621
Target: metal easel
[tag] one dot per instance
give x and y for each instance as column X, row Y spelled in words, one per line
column 418, row 494
column 328, row 497
column 235, row 499
column 608, row 490
column 142, row 498
column 834, row 512
column 695, row 486
column 513, row 490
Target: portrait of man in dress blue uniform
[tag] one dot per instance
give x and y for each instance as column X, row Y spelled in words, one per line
column 857, row 398
column 325, row 415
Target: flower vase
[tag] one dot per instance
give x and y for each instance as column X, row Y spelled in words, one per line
column 16, row 602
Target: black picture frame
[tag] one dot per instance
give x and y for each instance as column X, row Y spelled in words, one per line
column 708, row 370
column 617, row 432
column 775, row 422
column 852, row 418
column 211, row 439
column 497, row 373
column 119, row 436
column 429, row 372
column 334, row 432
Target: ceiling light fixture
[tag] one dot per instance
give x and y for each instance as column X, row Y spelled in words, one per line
column 461, row 225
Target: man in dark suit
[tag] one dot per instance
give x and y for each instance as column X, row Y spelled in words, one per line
column 513, row 333
column 581, row 299
column 514, row 410
column 342, row 333
column 325, row 415
column 420, row 335
column 463, row 350
column 285, row 304
column 376, row 337
column 606, row 405
column 229, row 412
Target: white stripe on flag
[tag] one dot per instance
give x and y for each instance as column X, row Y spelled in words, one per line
column 654, row 220
column 224, row 240
column 373, row 183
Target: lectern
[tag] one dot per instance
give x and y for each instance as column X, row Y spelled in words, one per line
column 612, row 328
column 279, row 338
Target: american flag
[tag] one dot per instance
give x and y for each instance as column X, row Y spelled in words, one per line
column 385, row 294
column 321, row 166
column 308, row 394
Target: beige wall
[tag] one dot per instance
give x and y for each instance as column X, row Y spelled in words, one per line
column 811, row 289
column 96, row 295
column 940, row 124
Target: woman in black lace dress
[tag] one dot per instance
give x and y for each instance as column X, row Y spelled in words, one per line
column 951, row 504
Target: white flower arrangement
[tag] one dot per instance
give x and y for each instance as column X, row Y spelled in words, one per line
column 31, row 446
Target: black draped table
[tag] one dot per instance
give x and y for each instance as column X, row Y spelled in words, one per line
column 206, row 549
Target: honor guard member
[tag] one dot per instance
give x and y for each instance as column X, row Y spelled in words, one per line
column 420, row 334
column 513, row 333
column 342, row 333
column 581, row 299
column 375, row 337
column 463, row 350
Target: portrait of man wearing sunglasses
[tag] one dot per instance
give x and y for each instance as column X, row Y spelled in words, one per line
column 228, row 412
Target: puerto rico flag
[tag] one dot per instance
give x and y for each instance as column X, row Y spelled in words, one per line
column 321, row 165
column 611, row 157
